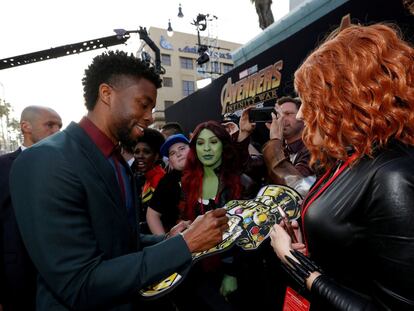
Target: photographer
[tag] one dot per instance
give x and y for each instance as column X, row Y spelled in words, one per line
column 285, row 155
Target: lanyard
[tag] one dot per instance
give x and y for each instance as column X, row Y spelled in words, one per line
column 311, row 197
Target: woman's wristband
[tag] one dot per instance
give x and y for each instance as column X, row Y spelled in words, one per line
column 300, row 269
column 311, row 279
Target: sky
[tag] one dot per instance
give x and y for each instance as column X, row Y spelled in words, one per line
column 31, row 25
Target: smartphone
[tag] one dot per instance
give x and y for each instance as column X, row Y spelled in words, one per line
column 264, row 114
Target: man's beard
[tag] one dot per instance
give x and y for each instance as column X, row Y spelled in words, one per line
column 124, row 137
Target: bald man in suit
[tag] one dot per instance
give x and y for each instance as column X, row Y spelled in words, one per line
column 17, row 274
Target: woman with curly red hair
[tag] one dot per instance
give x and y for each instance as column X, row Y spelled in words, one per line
column 357, row 92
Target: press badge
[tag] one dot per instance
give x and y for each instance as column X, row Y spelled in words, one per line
column 294, row 301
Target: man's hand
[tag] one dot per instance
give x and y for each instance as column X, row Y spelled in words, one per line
column 180, row 227
column 206, row 231
column 276, row 127
column 245, row 126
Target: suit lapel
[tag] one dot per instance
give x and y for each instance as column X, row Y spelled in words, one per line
column 136, row 197
column 101, row 165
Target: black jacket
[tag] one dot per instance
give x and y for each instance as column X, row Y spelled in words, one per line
column 361, row 231
column 17, row 273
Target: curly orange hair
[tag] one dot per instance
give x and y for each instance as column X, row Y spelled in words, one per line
column 357, row 90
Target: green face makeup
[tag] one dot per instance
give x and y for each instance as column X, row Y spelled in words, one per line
column 209, row 148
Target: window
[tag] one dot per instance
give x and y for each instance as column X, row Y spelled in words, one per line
column 215, row 67
column 166, row 59
column 186, row 63
column 188, row 87
column 167, row 82
column 227, row 68
column 168, row 103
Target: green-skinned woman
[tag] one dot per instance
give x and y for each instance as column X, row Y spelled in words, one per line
column 210, row 179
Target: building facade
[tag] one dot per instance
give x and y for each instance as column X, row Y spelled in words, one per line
column 179, row 54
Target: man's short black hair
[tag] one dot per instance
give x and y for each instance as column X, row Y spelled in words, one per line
column 108, row 68
column 173, row 128
column 153, row 138
column 230, row 117
column 288, row 99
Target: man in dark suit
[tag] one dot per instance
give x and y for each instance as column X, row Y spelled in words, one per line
column 17, row 274
column 76, row 206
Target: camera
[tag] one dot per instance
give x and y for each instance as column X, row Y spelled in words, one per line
column 261, row 115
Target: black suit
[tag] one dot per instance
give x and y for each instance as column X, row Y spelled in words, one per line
column 17, row 273
column 69, row 209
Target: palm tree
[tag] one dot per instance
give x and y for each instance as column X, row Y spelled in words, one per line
column 4, row 113
column 264, row 12
column 10, row 135
column 15, row 135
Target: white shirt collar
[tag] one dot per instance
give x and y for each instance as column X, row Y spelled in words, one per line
column 130, row 161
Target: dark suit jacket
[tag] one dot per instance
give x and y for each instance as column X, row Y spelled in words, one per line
column 17, row 273
column 69, row 208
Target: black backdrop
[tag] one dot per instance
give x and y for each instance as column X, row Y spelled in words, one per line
column 205, row 103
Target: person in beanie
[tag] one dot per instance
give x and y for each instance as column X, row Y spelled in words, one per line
column 163, row 210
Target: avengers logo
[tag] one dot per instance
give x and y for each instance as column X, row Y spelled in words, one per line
column 258, row 87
